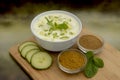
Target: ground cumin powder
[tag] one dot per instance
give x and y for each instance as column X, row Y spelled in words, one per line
column 90, row 42
column 72, row 59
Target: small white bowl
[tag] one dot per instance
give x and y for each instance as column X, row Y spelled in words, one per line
column 55, row 45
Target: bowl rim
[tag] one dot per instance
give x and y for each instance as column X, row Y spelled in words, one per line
column 56, row 11
column 71, row 71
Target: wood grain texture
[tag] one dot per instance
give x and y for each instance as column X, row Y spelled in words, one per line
column 110, row 71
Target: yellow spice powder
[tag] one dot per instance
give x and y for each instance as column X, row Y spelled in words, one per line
column 72, row 59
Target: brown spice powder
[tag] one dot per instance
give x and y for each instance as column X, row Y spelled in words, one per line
column 72, row 59
column 90, row 42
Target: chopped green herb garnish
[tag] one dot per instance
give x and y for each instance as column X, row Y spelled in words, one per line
column 71, row 33
column 55, row 35
column 49, row 33
column 45, row 30
column 49, row 22
column 56, row 17
column 50, row 17
column 56, row 26
column 62, row 34
column 62, row 26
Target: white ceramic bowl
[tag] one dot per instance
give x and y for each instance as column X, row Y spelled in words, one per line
column 55, row 45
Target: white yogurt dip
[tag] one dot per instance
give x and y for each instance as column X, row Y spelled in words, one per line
column 56, row 27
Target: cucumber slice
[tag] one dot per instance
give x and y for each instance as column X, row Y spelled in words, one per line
column 41, row 60
column 25, row 44
column 28, row 48
column 30, row 54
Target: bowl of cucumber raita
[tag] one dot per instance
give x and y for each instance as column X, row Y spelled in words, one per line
column 56, row 30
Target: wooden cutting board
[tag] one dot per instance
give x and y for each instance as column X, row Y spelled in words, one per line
column 110, row 71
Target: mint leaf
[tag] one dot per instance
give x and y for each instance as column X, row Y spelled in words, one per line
column 90, row 69
column 98, row 62
column 92, row 65
column 89, row 54
column 62, row 26
column 49, row 22
column 55, row 26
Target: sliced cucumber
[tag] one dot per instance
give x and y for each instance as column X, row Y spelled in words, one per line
column 30, row 54
column 25, row 44
column 28, row 48
column 41, row 60
column 35, row 55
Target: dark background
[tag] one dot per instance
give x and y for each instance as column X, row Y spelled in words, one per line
column 102, row 5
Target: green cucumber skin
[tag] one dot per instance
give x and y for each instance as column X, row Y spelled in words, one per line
column 36, row 51
column 22, row 45
column 26, row 47
column 42, row 67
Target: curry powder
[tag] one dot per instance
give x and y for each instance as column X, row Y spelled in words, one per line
column 72, row 59
column 90, row 42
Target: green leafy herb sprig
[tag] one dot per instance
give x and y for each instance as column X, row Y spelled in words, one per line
column 93, row 64
column 56, row 26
